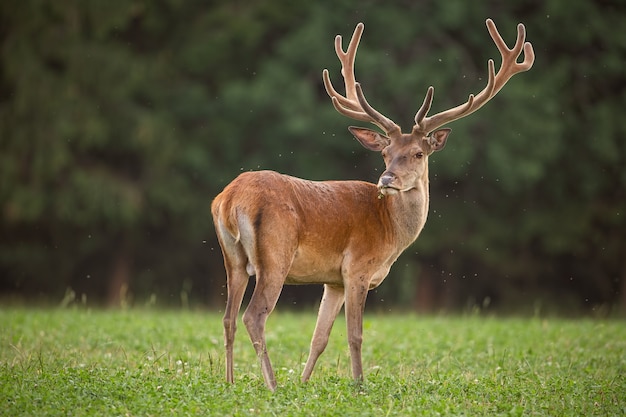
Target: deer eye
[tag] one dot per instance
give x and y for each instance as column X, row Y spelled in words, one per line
column 419, row 155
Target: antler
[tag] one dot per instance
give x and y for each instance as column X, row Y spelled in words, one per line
column 354, row 104
column 508, row 69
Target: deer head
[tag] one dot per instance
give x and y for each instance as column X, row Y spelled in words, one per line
column 406, row 154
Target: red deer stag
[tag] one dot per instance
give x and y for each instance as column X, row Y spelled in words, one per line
column 343, row 234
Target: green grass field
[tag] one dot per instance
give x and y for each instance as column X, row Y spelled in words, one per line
column 83, row 362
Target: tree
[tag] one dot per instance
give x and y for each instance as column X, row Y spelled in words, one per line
column 104, row 149
column 120, row 121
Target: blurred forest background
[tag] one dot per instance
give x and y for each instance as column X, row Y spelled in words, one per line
column 120, row 120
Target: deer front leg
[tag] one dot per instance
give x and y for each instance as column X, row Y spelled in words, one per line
column 332, row 300
column 356, row 294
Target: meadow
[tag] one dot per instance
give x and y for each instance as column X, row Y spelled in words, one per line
column 144, row 362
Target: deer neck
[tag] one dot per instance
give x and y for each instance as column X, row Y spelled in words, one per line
column 408, row 210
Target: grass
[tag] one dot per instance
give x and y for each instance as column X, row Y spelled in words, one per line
column 82, row 362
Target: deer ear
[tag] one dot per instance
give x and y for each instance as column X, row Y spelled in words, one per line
column 370, row 139
column 437, row 139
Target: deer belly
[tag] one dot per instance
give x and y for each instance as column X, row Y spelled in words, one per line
column 311, row 267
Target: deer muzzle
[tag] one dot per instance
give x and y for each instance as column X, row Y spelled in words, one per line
column 385, row 183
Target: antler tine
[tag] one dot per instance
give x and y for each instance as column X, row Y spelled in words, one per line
column 508, row 69
column 353, row 104
column 378, row 118
column 342, row 103
column 428, row 101
column 512, row 54
column 347, row 69
column 349, row 57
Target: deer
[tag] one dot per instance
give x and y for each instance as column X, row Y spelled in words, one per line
column 344, row 235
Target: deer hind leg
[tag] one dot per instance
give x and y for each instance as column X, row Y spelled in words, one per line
column 237, row 280
column 332, row 300
column 266, row 292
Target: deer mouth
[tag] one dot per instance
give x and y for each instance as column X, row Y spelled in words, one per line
column 388, row 190
column 385, row 190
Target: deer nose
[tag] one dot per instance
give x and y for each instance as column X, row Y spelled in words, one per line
column 386, row 179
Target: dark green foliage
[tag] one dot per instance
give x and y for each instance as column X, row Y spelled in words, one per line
column 119, row 122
